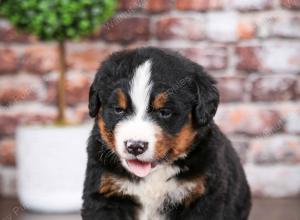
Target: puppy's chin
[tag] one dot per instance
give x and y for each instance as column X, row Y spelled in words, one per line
column 139, row 168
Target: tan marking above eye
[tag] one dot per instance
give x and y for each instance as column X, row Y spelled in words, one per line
column 122, row 100
column 160, row 100
column 107, row 136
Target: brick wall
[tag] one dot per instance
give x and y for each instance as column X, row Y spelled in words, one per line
column 251, row 47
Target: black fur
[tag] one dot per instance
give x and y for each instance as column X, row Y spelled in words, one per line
column 227, row 195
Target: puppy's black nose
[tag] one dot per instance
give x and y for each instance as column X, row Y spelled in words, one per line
column 136, row 147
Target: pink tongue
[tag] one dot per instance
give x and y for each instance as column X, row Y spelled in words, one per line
column 140, row 169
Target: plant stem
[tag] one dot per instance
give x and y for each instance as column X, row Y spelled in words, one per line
column 61, row 103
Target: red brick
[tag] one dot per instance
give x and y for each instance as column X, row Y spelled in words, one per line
column 155, row 6
column 249, row 5
column 211, row 57
column 37, row 115
column 292, row 122
column 199, row 5
column 298, row 88
column 232, row 88
column 277, row 149
column 40, row 58
column 248, row 58
column 249, row 120
column 82, row 112
column 77, row 87
column 291, row 4
column 135, row 45
column 9, row 34
column 280, row 57
column 8, row 61
column 280, row 25
column 130, row 4
column 8, row 124
column 7, row 152
column 126, row 29
column 290, row 114
column 273, row 88
column 19, row 88
column 87, row 57
column 180, row 28
column 11, row 117
column 222, row 26
column 246, row 30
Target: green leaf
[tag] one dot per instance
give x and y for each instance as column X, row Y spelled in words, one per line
column 57, row 19
column 67, row 19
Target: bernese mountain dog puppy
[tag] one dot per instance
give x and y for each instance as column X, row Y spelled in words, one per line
column 155, row 152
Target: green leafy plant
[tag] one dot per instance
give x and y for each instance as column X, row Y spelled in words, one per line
column 58, row 20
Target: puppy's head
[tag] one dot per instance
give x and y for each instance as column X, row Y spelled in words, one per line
column 149, row 105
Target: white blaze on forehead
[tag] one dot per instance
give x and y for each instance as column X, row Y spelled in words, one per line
column 137, row 126
column 141, row 87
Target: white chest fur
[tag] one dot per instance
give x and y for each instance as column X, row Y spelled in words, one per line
column 155, row 189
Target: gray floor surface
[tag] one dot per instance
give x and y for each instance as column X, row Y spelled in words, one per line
column 263, row 209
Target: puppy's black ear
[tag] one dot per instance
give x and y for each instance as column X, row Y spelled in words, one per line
column 207, row 97
column 94, row 101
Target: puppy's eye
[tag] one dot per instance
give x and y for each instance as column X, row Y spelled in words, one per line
column 165, row 113
column 119, row 110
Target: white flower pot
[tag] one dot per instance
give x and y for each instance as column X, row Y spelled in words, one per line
column 51, row 165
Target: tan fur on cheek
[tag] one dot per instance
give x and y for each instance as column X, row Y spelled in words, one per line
column 122, row 100
column 175, row 145
column 106, row 135
column 109, row 187
column 183, row 140
column 163, row 145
